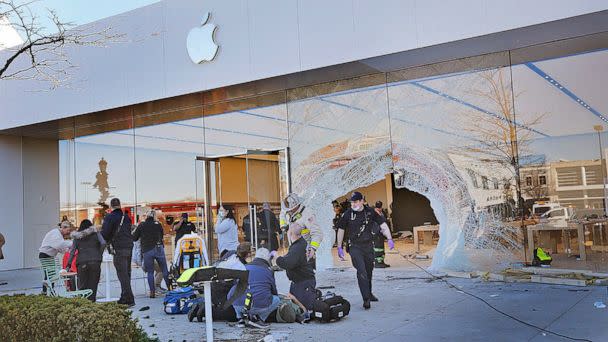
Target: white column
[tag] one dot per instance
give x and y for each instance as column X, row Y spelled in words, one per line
column 40, row 162
column 11, row 202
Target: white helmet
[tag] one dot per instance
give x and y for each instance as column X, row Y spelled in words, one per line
column 292, row 202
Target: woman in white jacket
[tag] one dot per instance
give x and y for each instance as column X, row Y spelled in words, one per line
column 226, row 230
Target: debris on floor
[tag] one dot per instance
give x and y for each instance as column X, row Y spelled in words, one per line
column 599, row 305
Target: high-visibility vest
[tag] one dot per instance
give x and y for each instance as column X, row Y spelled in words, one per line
column 541, row 255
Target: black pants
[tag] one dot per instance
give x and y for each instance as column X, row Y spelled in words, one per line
column 305, row 291
column 88, row 277
column 379, row 248
column 362, row 256
column 122, row 263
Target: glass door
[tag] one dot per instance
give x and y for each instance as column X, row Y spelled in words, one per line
column 267, row 183
column 252, row 186
column 208, row 193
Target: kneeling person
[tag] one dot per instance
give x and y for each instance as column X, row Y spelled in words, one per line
column 263, row 289
column 300, row 270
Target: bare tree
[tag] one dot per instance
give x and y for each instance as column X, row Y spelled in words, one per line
column 500, row 137
column 43, row 55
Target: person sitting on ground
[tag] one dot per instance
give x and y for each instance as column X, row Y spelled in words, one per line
column 299, row 270
column 89, row 246
column 290, row 310
column 219, row 291
column 243, row 252
column 226, row 230
column 55, row 243
column 263, row 289
column 183, row 227
column 151, row 233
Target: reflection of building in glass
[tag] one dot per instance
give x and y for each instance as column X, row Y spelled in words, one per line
column 570, row 183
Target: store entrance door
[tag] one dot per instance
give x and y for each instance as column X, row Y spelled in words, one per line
column 252, row 185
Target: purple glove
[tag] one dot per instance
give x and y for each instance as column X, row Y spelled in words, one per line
column 391, row 244
column 341, row 253
column 273, row 254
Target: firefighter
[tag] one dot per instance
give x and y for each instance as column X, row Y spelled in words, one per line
column 357, row 222
column 294, row 211
column 379, row 239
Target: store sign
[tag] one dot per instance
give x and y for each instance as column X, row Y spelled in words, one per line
column 201, row 42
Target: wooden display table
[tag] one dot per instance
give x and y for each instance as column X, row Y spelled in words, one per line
column 427, row 236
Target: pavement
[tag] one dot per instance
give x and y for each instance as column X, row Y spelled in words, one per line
column 413, row 306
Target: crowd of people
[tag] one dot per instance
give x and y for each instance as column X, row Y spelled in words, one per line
column 360, row 231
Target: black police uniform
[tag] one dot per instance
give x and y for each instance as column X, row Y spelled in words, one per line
column 358, row 229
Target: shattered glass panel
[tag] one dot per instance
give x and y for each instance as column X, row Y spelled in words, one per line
column 339, row 141
column 450, row 135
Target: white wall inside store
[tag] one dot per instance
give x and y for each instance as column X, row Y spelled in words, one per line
column 379, row 191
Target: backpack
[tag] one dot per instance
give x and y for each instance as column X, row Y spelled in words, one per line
column 330, row 307
column 179, row 301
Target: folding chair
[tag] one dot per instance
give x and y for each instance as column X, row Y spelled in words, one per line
column 55, row 282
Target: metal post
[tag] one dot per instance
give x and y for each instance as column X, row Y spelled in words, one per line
column 599, row 129
column 251, row 230
column 208, row 210
column 255, row 220
column 208, row 311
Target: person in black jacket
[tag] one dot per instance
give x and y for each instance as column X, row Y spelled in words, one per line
column 116, row 230
column 269, row 227
column 299, row 270
column 151, row 233
column 183, row 227
column 90, row 250
column 358, row 223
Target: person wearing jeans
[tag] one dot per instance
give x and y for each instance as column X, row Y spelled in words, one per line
column 151, row 234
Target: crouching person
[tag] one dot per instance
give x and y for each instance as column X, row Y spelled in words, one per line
column 300, row 271
column 263, row 290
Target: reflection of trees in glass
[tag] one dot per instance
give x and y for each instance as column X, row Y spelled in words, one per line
column 101, row 182
column 501, row 136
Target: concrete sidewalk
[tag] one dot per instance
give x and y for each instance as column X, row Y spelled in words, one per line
column 412, row 307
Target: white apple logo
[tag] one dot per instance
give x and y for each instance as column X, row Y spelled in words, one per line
column 200, row 42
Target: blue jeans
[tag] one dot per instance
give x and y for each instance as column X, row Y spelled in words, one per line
column 157, row 253
column 262, row 312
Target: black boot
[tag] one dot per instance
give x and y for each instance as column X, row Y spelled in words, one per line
column 373, row 298
column 366, row 304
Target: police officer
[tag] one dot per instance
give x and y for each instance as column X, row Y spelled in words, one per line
column 358, row 224
column 379, row 239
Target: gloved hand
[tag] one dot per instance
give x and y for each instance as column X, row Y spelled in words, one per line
column 310, row 253
column 391, row 244
column 341, row 253
column 273, row 255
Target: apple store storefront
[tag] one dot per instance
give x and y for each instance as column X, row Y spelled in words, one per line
column 483, row 137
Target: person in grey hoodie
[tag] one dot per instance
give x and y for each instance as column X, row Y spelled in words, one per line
column 226, row 230
column 90, row 246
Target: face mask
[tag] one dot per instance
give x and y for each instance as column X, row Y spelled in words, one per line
column 358, row 207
